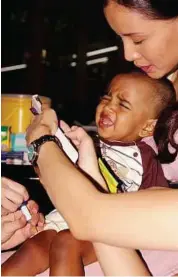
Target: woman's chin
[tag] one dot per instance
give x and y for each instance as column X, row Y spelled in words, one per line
column 157, row 74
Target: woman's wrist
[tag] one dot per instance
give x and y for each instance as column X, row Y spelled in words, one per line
column 45, row 155
column 37, row 133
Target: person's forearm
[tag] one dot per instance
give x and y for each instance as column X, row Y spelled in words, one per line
column 141, row 220
column 70, row 191
column 116, row 261
column 96, row 175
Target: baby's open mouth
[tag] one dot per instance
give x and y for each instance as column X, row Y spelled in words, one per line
column 105, row 121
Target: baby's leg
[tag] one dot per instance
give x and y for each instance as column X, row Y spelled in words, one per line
column 68, row 255
column 31, row 258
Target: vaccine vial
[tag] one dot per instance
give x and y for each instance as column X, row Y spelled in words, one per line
column 25, row 211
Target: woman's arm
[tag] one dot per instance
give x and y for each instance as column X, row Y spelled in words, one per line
column 116, row 261
column 141, row 220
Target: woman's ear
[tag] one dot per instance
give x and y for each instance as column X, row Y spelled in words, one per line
column 148, row 128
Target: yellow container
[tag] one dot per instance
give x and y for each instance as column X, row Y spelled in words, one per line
column 15, row 111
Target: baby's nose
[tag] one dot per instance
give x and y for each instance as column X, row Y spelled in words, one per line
column 111, row 106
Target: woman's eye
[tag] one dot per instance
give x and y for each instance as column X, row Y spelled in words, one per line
column 138, row 42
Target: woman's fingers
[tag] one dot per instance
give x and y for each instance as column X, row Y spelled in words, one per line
column 44, row 124
column 49, row 119
column 11, row 223
column 8, row 205
column 4, row 211
column 11, row 216
column 18, row 188
column 12, row 195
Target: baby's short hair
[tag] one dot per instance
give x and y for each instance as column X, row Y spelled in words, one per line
column 162, row 91
column 164, row 96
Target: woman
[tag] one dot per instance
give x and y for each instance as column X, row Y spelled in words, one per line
column 149, row 31
column 142, row 220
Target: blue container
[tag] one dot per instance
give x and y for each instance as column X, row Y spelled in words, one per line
column 18, row 142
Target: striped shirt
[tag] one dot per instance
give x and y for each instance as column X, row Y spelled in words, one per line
column 134, row 165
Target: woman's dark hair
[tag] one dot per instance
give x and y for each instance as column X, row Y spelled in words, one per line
column 154, row 9
column 164, row 134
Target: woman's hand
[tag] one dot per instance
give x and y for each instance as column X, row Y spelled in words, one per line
column 13, row 195
column 44, row 124
column 15, row 229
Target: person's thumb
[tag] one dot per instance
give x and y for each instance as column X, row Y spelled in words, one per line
column 64, row 126
column 12, row 226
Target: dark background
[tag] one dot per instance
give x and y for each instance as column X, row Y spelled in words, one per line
column 62, row 28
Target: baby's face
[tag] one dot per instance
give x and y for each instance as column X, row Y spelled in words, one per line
column 122, row 113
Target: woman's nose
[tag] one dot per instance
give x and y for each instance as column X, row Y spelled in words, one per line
column 130, row 52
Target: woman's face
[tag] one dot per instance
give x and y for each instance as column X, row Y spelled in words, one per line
column 151, row 44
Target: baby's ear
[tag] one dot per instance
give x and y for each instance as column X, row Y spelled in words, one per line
column 148, row 128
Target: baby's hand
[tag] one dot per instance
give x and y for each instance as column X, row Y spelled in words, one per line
column 88, row 161
column 83, row 143
column 77, row 135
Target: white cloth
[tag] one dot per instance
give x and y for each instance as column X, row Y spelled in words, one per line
column 55, row 221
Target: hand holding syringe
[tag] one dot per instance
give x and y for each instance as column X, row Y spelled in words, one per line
column 67, row 146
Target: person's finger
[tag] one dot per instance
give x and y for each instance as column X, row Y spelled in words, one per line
column 74, row 128
column 49, row 118
column 76, row 143
column 33, row 230
column 40, row 228
column 18, row 237
column 32, row 206
column 36, row 119
column 73, row 135
column 44, row 108
column 14, row 197
column 9, row 205
column 64, row 126
column 16, row 187
column 12, row 216
column 4, row 211
column 41, row 220
column 34, row 123
column 29, row 231
column 12, row 226
column 34, row 220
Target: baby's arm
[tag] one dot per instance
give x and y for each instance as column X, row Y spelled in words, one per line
column 32, row 258
column 88, row 161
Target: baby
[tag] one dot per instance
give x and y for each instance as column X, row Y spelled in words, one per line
column 126, row 115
